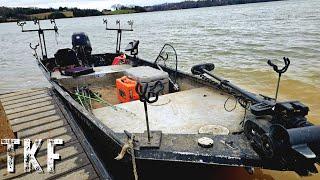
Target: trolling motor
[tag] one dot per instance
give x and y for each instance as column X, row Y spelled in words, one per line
column 284, row 135
column 149, row 95
column 119, row 31
column 41, row 34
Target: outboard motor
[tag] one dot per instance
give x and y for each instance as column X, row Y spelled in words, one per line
column 82, row 46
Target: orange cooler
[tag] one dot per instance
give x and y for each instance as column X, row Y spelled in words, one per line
column 126, row 89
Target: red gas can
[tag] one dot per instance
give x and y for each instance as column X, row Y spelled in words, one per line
column 126, row 89
column 120, row 60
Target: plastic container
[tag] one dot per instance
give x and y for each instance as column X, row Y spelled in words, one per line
column 120, row 60
column 126, row 89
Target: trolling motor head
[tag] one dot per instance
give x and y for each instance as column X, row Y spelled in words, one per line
column 200, row 69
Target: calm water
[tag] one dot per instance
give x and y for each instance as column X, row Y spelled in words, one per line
column 238, row 39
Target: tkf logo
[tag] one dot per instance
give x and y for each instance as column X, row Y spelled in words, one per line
column 30, row 152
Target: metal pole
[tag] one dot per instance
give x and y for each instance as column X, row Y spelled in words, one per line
column 117, row 51
column 39, row 33
column 147, row 120
column 278, row 85
column 120, row 41
column 44, row 45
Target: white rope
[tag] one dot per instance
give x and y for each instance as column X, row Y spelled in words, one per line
column 125, row 148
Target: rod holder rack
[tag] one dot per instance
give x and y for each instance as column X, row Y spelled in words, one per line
column 119, row 31
column 40, row 31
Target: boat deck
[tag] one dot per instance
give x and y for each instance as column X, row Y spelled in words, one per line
column 182, row 112
column 34, row 114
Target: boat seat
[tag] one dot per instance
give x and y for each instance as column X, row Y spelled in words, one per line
column 69, row 65
column 147, row 74
column 66, row 57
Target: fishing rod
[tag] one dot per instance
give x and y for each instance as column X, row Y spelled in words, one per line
column 40, row 31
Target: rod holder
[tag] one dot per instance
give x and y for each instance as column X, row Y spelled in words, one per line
column 119, row 31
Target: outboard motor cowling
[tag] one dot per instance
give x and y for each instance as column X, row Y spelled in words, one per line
column 82, row 46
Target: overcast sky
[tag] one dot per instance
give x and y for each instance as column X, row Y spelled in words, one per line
column 96, row 4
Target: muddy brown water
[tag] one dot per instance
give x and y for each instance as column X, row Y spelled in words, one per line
column 238, row 39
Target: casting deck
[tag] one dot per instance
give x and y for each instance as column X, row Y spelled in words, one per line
column 35, row 114
column 182, row 112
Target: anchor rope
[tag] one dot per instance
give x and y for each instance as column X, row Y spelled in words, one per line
column 129, row 146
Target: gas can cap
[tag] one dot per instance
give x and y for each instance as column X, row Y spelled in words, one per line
column 205, row 142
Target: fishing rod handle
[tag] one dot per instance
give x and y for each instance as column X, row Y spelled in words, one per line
column 276, row 68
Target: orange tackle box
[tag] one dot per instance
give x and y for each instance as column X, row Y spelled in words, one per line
column 126, row 89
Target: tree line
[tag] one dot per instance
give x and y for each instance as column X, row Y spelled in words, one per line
column 18, row 13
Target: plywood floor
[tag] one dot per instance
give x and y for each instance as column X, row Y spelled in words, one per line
column 178, row 113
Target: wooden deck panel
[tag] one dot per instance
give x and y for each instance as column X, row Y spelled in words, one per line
column 28, row 103
column 34, row 115
column 37, row 122
column 20, row 96
column 86, row 172
column 64, row 153
column 42, row 128
column 10, row 94
column 25, row 99
column 27, row 107
column 67, row 139
column 71, row 165
column 30, row 112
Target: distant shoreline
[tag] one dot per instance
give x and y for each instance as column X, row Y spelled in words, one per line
column 23, row 14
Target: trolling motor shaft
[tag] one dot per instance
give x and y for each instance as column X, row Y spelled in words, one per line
column 280, row 72
column 150, row 95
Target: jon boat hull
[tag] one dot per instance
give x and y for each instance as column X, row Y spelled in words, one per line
column 179, row 155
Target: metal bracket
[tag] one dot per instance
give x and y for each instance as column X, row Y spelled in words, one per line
column 119, row 31
column 155, row 140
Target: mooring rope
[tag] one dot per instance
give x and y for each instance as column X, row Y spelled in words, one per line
column 125, row 147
